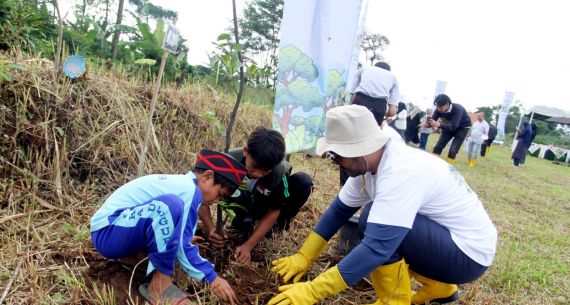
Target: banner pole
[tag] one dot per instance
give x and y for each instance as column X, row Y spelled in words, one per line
column 517, row 130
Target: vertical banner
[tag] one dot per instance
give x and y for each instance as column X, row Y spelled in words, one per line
column 440, row 87
column 507, row 102
column 315, row 56
column 354, row 64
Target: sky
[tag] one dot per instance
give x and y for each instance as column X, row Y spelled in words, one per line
column 480, row 48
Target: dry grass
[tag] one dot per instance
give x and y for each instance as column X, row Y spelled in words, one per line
column 65, row 145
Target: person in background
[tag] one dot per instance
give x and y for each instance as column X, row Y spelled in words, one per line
column 479, row 133
column 400, row 120
column 486, row 146
column 425, row 130
column 455, row 124
column 413, row 126
column 523, row 143
column 534, row 129
column 376, row 88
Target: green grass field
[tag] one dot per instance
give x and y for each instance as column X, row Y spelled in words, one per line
column 530, row 207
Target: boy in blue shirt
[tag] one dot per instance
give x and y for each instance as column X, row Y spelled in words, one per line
column 157, row 215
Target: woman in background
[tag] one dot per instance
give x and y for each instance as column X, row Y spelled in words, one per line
column 425, row 131
column 523, row 143
column 413, row 126
column 400, row 120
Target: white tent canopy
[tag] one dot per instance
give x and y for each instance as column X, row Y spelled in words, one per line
column 549, row 114
column 545, row 113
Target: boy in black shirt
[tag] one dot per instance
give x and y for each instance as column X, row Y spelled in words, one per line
column 455, row 123
column 269, row 196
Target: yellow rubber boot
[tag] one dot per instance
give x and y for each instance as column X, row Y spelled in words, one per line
column 450, row 161
column 473, row 162
column 433, row 291
column 488, row 150
column 392, row 284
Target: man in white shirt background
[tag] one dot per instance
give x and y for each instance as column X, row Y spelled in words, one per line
column 376, row 88
column 479, row 133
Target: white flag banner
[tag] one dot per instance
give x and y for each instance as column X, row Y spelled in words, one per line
column 440, row 87
column 353, row 67
column 316, row 55
column 507, row 102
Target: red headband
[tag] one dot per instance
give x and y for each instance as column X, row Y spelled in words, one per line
column 230, row 169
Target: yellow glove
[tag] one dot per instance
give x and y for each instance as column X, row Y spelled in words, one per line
column 298, row 264
column 307, row 293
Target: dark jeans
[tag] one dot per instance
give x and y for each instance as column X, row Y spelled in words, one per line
column 423, row 140
column 376, row 105
column 458, row 136
column 300, row 187
column 430, row 251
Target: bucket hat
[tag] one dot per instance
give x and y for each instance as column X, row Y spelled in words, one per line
column 351, row 131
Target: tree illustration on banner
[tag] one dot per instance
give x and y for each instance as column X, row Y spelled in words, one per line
column 302, row 97
column 335, row 88
column 294, row 64
column 295, row 90
column 299, row 93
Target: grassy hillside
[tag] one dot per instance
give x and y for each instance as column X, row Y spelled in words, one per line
column 65, row 145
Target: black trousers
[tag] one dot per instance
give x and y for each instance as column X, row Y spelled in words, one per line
column 458, row 137
column 484, row 146
column 248, row 211
column 376, row 105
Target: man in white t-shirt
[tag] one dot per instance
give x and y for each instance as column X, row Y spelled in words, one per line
column 439, row 229
column 479, row 133
column 376, row 88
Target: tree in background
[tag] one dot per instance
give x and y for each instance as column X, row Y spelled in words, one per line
column 26, row 25
column 488, row 111
column 372, row 44
column 260, row 35
column 117, row 33
column 512, row 118
column 148, row 11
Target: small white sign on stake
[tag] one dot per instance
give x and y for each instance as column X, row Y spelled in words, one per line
column 171, row 39
column 170, row 44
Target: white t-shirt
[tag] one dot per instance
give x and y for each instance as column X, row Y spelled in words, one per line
column 411, row 181
column 400, row 121
column 478, row 130
column 377, row 82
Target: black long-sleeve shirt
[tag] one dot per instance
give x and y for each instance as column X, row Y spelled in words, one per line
column 492, row 133
column 455, row 119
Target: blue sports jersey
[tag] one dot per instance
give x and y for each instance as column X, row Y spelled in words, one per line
column 146, row 188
